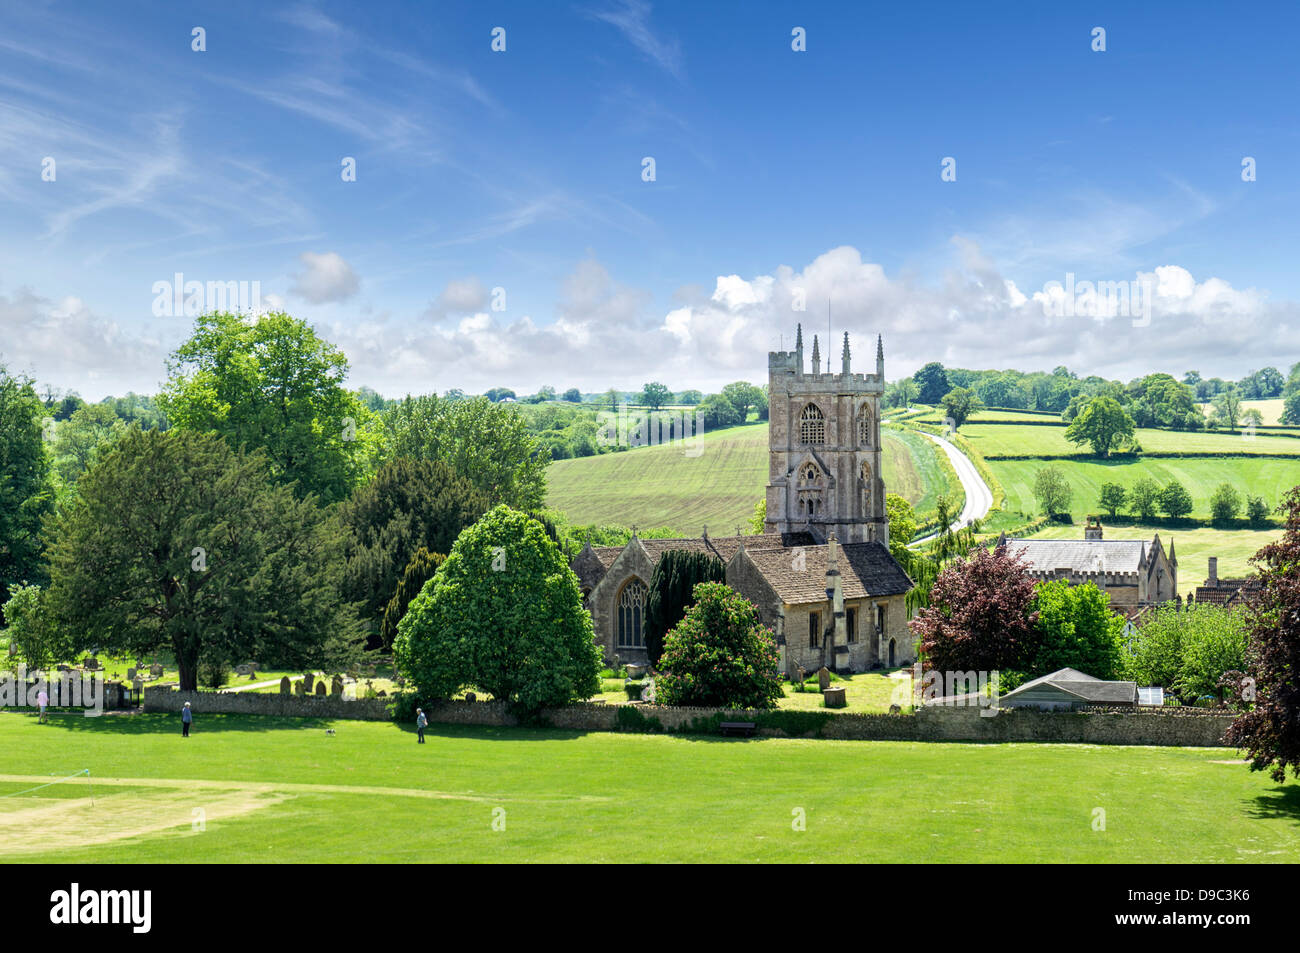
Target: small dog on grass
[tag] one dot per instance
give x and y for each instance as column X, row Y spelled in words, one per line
column 329, row 731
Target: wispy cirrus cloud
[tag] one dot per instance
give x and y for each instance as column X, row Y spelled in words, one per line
column 632, row 19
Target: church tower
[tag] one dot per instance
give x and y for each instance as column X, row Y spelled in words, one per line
column 824, row 447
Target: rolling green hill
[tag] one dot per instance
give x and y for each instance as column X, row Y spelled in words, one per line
column 661, row 486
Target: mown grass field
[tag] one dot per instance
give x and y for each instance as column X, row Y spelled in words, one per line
column 661, row 486
column 994, row 439
column 1233, row 547
column 1268, row 477
column 280, row 791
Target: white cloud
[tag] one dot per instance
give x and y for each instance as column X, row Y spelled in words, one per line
column 327, row 278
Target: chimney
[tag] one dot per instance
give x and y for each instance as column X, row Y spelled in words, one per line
column 835, row 595
column 1093, row 528
column 1213, row 581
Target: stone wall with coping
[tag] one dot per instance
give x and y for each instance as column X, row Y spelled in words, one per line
column 267, row 703
column 934, row 723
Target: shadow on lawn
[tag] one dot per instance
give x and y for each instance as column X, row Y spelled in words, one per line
column 1278, row 804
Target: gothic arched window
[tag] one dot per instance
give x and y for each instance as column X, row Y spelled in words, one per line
column 812, row 425
column 631, row 614
column 809, row 473
column 864, row 426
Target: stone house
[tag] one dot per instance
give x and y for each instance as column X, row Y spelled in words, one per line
column 1133, row 572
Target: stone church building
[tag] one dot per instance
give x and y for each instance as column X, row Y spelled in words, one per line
column 821, row 573
column 1135, row 573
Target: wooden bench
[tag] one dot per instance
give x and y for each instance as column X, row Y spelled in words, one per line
column 743, row 728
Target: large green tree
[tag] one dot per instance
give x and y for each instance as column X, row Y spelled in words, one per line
column 932, row 383
column 176, row 541
column 746, row 397
column 26, row 496
column 503, row 614
column 959, row 404
column 1075, row 628
column 1186, row 650
column 720, row 655
column 1270, row 731
column 1103, row 423
column 671, row 586
column 408, row 504
column 1052, row 491
column 271, row 383
column 88, row 432
column 486, row 443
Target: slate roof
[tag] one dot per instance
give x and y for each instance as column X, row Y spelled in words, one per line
column 866, row 570
column 1080, row 555
column 1084, row 687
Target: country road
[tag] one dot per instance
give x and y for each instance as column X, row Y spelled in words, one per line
column 979, row 498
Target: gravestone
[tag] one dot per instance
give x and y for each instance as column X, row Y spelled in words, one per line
column 823, row 678
column 130, row 675
column 320, row 689
column 243, row 670
column 834, row 698
column 286, row 686
column 92, row 663
column 471, row 697
column 156, row 670
column 337, row 687
column 300, row 687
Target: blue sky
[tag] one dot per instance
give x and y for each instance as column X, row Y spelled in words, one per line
column 814, row 173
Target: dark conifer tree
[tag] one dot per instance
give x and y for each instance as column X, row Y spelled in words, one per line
column 674, row 579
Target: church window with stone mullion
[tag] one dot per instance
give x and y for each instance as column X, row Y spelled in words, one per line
column 812, row 425
column 631, row 615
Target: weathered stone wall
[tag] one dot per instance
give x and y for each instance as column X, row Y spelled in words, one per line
column 1199, row 729
column 273, row 703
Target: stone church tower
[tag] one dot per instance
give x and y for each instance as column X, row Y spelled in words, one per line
column 824, row 447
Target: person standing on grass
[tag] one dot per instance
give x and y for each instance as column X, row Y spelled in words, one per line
column 42, row 702
column 421, row 723
column 187, row 717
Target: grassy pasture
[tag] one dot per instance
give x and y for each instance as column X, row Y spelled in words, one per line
column 660, row 486
column 1268, row 477
column 243, row 789
column 995, row 439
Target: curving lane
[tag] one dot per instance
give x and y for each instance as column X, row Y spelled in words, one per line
column 979, row 498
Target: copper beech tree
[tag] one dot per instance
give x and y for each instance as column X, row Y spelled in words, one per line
column 979, row 617
column 1270, row 731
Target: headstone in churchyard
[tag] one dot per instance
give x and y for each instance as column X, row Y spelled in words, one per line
column 130, row 675
column 156, row 670
column 834, row 698
column 823, row 678
column 243, row 670
column 286, row 686
column 92, row 663
column 320, row 689
column 300, row 686
column 895, row 710
column 337, row 687
column 471, row 697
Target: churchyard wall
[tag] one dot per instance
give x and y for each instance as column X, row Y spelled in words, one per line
column 1185, row 728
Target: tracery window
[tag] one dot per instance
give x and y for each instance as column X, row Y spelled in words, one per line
column 812, row 425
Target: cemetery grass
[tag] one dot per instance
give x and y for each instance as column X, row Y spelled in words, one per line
column 281, row 790
column 660, row 486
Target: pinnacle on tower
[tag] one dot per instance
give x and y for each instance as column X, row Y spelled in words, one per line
column 880, row 356
column 798, row 348
column 845, row 358
column 816, row 358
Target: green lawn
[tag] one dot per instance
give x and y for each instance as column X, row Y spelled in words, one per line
column 1232, row 547
column 661, row 486
column 248, row 790
column 993, row 439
